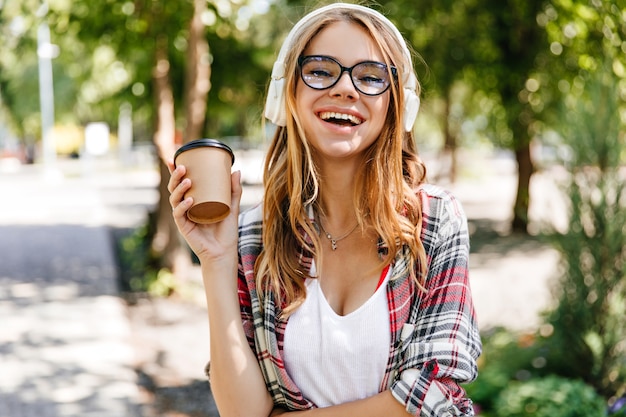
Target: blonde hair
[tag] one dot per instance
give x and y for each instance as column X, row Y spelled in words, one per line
column 385, row 192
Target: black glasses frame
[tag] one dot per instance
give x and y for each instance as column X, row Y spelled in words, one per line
column 391, row 69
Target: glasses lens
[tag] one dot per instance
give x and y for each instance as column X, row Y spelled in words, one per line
column 319, row 72
column 370, row 78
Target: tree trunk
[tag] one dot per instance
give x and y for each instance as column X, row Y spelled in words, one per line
column 198, row 75
column 165, row 131
column 166, row 241
column 447, row 155
column 450, row 145
column 525, row 171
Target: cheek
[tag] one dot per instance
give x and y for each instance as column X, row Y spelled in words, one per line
column 303, row 99
column 381, row 108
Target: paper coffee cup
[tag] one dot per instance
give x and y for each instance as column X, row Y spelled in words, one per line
column 208, row 163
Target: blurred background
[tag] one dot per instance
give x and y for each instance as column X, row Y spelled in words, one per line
column 101, row 305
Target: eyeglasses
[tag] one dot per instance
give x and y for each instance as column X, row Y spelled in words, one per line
column 369, row 77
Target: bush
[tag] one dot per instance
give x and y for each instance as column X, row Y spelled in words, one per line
column 507, row 356
column 550, row 397
column 140, row 272
column 588, row 322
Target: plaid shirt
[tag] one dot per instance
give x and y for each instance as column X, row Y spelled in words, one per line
column 434, row 336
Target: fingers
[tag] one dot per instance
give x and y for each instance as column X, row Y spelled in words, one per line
column 178, row 186
column 176, row 177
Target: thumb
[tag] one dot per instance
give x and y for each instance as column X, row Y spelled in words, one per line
column 235, row 184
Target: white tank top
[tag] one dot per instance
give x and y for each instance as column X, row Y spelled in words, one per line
column 334, row 359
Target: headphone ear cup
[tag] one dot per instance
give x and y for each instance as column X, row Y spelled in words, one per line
column 411, row 108
column 275, row 101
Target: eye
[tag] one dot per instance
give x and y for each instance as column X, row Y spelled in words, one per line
column 319, row 68
column 371, row 74
column 371, row 79
column 317, row 72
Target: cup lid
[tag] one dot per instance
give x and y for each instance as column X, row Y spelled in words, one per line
column 200, row 143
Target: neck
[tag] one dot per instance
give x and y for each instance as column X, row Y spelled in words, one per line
column 336, row 196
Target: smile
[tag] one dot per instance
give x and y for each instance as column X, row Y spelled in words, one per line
column 340, row 118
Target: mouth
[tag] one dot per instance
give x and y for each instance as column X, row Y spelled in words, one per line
column 341, row 119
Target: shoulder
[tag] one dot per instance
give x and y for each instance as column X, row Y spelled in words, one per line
column 251, row 227
column 437, row 200
column 251, row 216
column 442, row 212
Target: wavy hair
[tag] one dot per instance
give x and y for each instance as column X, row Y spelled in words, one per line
column 385, row 195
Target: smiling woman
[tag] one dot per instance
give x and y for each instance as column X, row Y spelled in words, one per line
column 352, row 260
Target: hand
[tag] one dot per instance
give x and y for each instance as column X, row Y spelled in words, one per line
column 208, row 241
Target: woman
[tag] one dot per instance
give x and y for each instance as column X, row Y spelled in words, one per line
column 346, row 292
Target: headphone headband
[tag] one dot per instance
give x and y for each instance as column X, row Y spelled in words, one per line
column 275, row 102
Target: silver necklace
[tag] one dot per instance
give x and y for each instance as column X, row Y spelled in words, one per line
column 334, row 240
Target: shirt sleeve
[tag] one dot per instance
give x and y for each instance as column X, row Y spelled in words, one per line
column 440, row 348
column 249, row 247
column 245, row 307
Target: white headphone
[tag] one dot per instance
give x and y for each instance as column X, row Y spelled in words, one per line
column 275, row 103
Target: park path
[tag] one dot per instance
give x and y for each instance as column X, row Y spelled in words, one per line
column 65, row 337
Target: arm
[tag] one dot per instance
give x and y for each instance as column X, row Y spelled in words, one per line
column 236, row 380
column 382, row 404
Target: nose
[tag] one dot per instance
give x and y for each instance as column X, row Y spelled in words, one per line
column 344, row 86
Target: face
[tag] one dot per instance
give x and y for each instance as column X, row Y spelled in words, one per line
column 340, row 122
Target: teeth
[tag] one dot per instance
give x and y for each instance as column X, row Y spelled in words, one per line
column 334, row 115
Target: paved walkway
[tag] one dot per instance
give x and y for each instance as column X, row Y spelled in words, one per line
column 511, row 275
column 64, row 337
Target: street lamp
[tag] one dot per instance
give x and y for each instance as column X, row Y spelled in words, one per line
column 46, row 51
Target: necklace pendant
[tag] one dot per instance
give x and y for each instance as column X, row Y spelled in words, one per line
column 333, row 244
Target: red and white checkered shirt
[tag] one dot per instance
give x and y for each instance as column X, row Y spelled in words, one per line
column 434, row 335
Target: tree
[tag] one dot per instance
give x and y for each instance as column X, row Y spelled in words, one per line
column 519, row 57
column 19, row 91
column 520, row 41
column 489, row 48
column 152, row 55
column 588, row 322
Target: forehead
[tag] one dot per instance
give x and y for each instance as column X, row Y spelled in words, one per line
column 347, row 42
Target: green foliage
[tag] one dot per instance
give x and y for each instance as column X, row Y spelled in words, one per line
column 550, row 397
column 588, row 322
column 139, row 268
column 507, row 356
column 107, row 54
column 235, row 103
column 514, row 55
column 583, row 337
column 133, row 253
column 515, row 367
